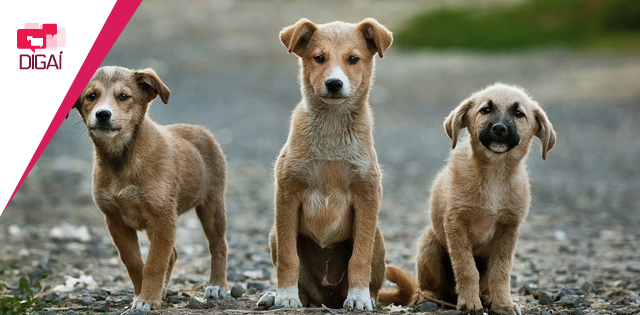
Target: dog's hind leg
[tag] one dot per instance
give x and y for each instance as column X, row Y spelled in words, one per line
column 212, row 215
column 174, row 257
column 429, row 266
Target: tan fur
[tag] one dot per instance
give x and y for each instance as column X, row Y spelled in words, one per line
column 478, row 202
column 326, row 238
column 145, row 175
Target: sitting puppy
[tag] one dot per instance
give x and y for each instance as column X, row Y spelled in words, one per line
column 326, row 244
column 146, row 175
column 478, row 202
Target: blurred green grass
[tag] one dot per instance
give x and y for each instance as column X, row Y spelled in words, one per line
column 613, row 24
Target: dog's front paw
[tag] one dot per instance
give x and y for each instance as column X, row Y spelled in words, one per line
column 507, row 309
column 214, row 292
column 144, row 305
column 358, row 299
column 471, row 305
column 288, row 297
column 267, row 300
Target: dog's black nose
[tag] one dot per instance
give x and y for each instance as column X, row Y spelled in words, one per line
column 103, row 115
column 499, row 130
column 333, row 85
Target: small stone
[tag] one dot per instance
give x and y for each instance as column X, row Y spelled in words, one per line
column 525, row 289
column 176, row 299
column 237, row 290
column 236, row 277
column 252, row 291
column 101, row 306
column 585, row 267
column 194, row 304
column 426, row 307
column 258, row 285
column 534, row 311
column 633, row 287
column 567, row 250
column 70, row 312
column 578, row 311
column 633, row 268
column 587, row 287
column 545, row 298
column 565, row 279
column 86, row 300
column 514, row 281
column 171, row 292
column 545, row 312
column 137, row 311
column 561, row 271
column 572, row 301
column 607, row 295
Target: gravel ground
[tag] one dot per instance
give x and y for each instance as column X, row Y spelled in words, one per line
column 578, row 253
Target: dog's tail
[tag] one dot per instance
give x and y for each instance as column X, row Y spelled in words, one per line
column 406, row 288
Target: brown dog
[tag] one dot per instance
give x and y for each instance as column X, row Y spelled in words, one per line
column 326, row 244
column 146, row 175
column 478, row 202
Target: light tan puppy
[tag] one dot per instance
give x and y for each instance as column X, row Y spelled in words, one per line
column 326, row 244
column 146, row 175
column 478, row 202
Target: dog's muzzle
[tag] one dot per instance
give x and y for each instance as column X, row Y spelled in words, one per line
column 499, row 137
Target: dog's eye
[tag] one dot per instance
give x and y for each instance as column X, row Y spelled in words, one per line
column 123, row 97
column 519, row 114
column 353, row 60
column 485, row 110
column 91, row 97
column 319, row 59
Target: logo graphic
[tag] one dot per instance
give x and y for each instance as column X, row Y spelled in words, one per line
column 41, row 37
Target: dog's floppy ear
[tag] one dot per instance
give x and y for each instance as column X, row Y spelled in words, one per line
column 457, row 120
column 545, row 132
column 296, row 37
column 77, row 105
column 378, row 37
column 151, row 83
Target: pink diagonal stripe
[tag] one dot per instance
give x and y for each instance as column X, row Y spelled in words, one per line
column 117, row 20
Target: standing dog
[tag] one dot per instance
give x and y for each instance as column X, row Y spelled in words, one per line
column 146, row 175
column 326, row 244
column 478, row 202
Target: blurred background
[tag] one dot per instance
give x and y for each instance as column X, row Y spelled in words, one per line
column 227, row 71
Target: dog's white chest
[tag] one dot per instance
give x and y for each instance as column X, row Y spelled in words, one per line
column 495, row 195
column 326, row 209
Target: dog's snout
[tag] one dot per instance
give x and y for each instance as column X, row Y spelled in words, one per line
column 333, row 85
column 499, row 130
column 103, row 115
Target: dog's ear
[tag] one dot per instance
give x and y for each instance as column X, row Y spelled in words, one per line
column 457, row 120
column 149, row 81
column 545, row 132
column 77, row 105
column 296, row 37
column 378, row 37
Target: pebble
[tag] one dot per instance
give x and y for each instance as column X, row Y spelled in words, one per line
column 545, row 298
column 137, row 311
column 86, row 300
column 587, row 287
column 195, row 304
column 258, row 285
column 236, row 277
column 633, row 268
column 607, row 295
column 578, row 311
column 237, row 290
column 251, row 291
column 101, row 306
column 426, row 307
column 565, row 279
column 633, row 287
column 70, row 312
column 171, row 292
column 514, row 281
column 525, row 289
column 545, row 312
column 572, row 301
column 176, row 299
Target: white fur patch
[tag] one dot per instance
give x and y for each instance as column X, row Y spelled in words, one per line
column 358, row 299
column 339, row 74
column 288, row 297
column 498, row 147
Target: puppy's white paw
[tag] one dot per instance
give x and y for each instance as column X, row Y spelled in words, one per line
column 358, row 299
column 214, row 292
column 140, row 305
column 288, row 297
column 267, row 300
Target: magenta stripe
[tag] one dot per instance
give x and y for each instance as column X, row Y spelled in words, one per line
column 117, row 20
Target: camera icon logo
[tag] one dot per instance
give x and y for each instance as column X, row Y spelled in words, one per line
column 47, row 36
